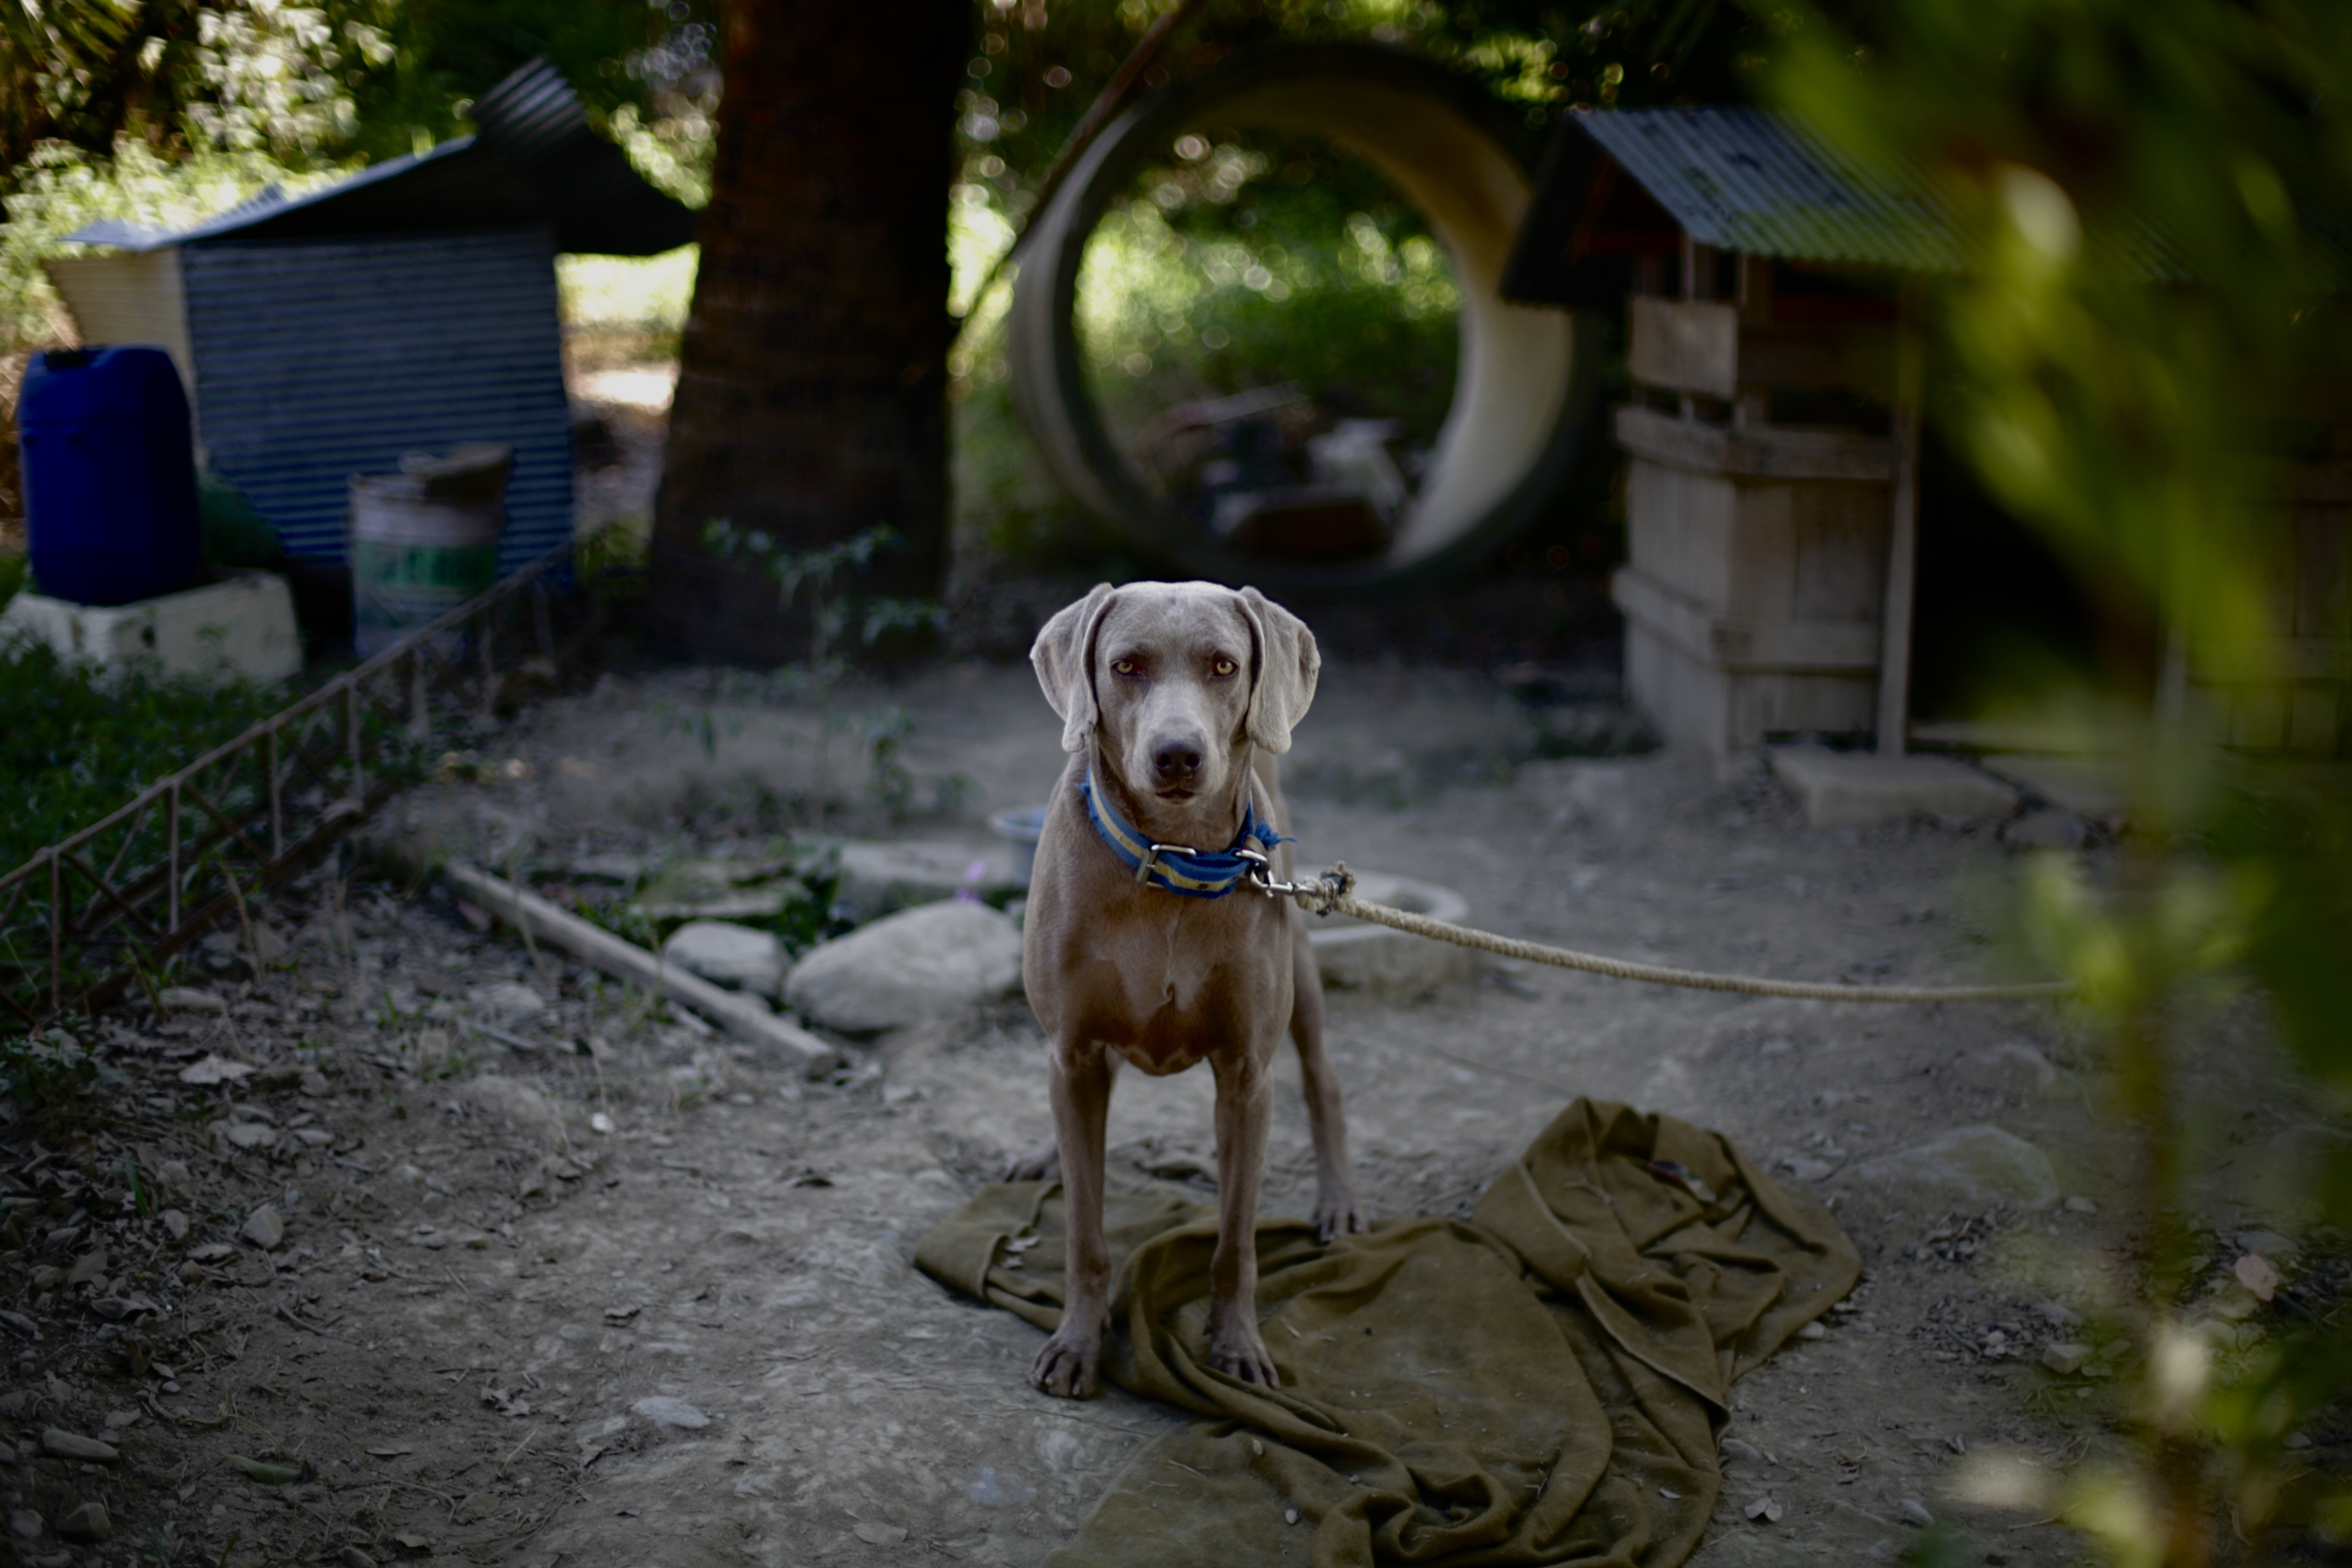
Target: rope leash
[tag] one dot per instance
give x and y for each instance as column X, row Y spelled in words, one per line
column 1333, row 893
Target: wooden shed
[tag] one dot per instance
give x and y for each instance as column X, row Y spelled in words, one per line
column 1773, row 441
column 408, row 308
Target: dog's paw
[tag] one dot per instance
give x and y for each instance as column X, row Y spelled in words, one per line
column 1066, row 1368
column 1339, row 1214
column 1238, row 1352
column 1043, row 1164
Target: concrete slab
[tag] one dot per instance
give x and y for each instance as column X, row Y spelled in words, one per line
column 243, row 625
column 1846, row 789
column 2088, row 786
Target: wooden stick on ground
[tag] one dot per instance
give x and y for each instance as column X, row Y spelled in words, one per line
column 738, row 1014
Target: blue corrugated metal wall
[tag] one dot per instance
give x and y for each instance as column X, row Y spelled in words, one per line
column 319, row 359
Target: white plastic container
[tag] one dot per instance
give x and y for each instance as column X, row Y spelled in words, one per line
column 423, row 542
column 241, row 625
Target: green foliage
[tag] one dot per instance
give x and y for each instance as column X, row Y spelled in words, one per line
column 340, row 80
column 44, row 1072
column 1255, row 260
column 2147, row 190
column 76, row 747
column 62, row 187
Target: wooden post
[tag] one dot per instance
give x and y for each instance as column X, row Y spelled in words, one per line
column 1752, row 408
column 1902, row 551
column 1698, row 283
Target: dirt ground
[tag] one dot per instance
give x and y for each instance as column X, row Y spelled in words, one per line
column 493, row 1332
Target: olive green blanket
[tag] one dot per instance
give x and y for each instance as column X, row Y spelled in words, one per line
column 1542, row 1384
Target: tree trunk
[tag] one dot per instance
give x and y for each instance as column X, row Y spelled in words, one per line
column 812, row 389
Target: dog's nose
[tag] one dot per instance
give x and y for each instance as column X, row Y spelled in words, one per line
column 1175, row 760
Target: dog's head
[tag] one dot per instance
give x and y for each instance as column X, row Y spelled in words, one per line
column 1177, row 679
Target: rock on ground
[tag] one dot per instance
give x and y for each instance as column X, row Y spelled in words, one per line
column 877, row 878
column 935, row 961
column 730, row 954
column 1976, row 1164
column 518, row 1102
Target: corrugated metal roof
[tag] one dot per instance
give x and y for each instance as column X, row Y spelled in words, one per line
column 533, row 160
column 1755, row 180
column 319, row 359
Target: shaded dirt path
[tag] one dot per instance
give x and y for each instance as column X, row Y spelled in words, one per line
column 494, row 1332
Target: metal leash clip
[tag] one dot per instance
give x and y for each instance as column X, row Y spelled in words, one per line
column 1261, row 874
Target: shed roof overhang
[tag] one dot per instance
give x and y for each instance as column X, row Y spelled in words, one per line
column 533, row 161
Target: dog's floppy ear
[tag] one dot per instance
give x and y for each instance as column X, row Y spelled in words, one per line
column 1283, row 685
column 1064, row 656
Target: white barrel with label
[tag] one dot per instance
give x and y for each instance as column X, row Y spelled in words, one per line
column 425, row 541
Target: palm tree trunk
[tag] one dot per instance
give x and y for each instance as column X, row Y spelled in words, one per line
column 812, row 389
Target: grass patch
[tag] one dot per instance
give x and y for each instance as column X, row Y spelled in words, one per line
column 75, row 747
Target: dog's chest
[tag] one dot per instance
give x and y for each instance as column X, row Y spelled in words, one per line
column 1176, row 997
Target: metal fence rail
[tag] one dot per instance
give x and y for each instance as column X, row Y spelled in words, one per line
column 85, row 917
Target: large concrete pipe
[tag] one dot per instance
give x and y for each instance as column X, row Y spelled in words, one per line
column 1522, row 391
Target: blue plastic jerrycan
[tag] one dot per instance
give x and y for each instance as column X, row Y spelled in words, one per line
column 109, row 475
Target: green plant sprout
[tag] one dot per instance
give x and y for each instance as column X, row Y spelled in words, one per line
column 832, row 614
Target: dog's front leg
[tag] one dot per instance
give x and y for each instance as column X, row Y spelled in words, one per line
column 1080, row 1082
column 1337, row 1210
column 1244, row 1110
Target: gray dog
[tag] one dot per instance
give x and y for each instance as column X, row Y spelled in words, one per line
column 1147, row 937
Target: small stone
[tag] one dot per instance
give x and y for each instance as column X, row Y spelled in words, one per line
column 2048, row 828
column 2269, row 1243
column 87, row 1524
column 2255, row 1273
column 1811, row 1330
column 264, row 1228
column 516, row 1100
column 935, row 961
column 1290, row 1516
column 2065, row 1357
column 2297, row 1441
column 2011, row 1068
column 192, row 1273
column 1975, row 1165
column 1764, row 1510
column 1914, row 1512
column 24, row 1524
column 173, row 1177
column 174, row 1223
column 875, row 1535
column 18, row 1324
column 88, row 1267
column 64, row 1444
column 214, row 1069
column 474, row 1506
column 188, row 999
column 506, row 999
column 664, row 1411
column 2058, row 1316
column 730, row 954
column 2081, row 1204
column 1740, row 1451
column 250, row 1134
column 314, row 1082
column 352, row 1557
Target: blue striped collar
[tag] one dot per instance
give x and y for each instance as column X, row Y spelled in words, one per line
column 1172, row 867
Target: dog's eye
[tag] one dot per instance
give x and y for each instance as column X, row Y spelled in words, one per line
column 1222, row 667
column 1125, row 666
